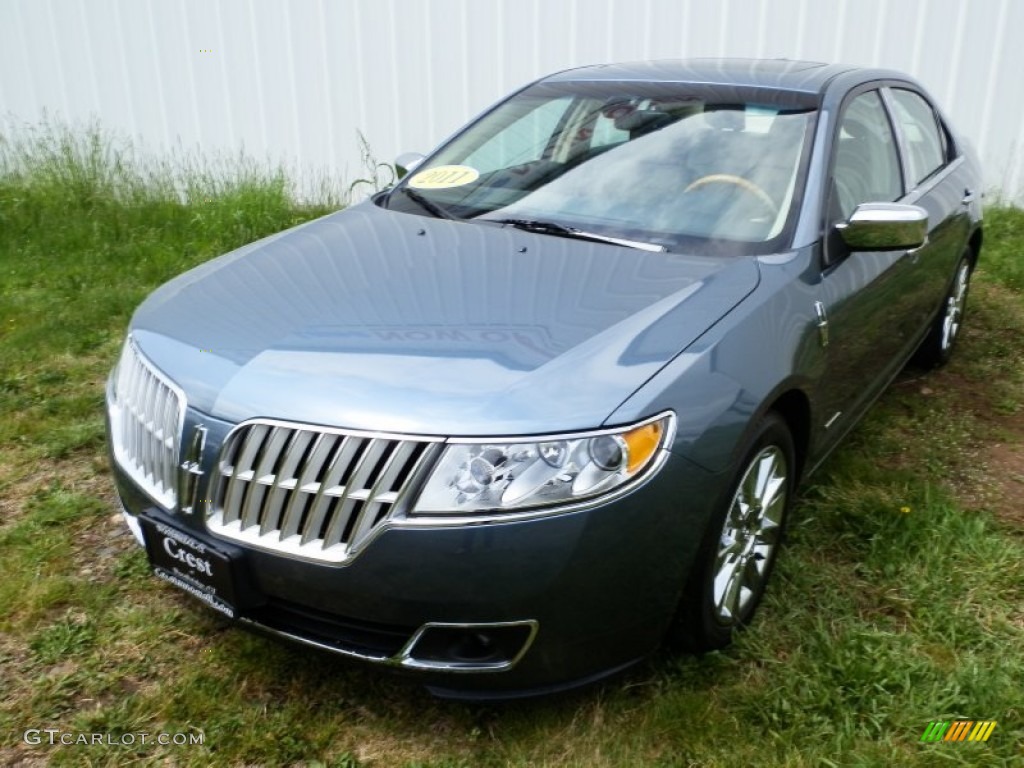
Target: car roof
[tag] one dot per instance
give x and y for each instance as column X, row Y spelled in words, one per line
column 779, row 74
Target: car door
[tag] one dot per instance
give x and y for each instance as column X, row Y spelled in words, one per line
column 937, row 182
column 863, row 297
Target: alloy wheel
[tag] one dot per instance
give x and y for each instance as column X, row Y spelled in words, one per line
column 751, row 534
column 955, row 307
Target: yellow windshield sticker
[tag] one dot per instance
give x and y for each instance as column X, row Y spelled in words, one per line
column 444, row 176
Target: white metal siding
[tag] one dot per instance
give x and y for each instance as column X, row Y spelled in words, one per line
column 295, row 81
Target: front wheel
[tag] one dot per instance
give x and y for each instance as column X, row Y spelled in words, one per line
column 739, row 549
column 937, row 347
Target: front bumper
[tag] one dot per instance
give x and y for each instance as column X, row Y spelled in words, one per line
column 582, row 593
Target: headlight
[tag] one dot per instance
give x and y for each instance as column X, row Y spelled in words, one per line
column 514, row 474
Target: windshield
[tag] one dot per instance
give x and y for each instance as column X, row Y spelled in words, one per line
column 695, row 168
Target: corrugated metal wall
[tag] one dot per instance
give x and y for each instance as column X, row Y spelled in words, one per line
column 297, row 80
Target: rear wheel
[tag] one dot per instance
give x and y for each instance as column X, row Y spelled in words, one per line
column 741, row 544
column 937, row 347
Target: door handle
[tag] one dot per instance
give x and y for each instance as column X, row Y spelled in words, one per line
column 819, row 310
column 968, row 197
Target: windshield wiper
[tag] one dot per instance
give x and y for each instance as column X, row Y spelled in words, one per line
column 428, row 204
column 561, row 230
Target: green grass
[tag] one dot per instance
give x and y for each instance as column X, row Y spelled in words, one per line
column 899, row 600
column 1004, row 255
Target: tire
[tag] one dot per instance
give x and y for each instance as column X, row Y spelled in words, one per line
column 937, row 347
column 741, row 543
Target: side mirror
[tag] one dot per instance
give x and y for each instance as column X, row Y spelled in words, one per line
column 885, row 227
column 407, row 161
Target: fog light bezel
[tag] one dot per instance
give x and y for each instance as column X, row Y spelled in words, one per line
column 407, row 658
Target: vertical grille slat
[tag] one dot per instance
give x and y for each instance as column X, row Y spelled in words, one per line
column 269, row 454
column 267, row 470
column 286, row 480
column 130, row 377
column 159, row 455
column 152, row 413
column 146, row 414
column 308, row 491
column 335, row 475
column 307, row 484
column 137, row 408
column 146, row 426
column 139, row 411
column 132, row 430
column 392, row 467
column 170, row 417
column 397, row 472
column 236, row 491
column 358, row 482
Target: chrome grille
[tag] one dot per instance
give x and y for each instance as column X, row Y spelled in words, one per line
column 145, row 424
column 308, row 491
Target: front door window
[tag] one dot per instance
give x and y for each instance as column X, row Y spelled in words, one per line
column 867, row 166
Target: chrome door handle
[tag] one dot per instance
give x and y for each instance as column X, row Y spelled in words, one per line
column 819, row 310
column 968, row 197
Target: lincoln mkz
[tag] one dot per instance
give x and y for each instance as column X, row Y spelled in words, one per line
column 543, row 405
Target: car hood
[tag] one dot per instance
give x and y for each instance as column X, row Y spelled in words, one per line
column 373, row 319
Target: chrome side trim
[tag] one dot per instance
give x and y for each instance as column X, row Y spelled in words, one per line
column 312, row 643
column 401, row 659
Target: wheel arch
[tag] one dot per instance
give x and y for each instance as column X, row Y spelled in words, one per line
column 974, row 244
column 794, row 407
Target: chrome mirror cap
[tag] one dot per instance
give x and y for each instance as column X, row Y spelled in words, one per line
column 407, row 161
column 885, row 227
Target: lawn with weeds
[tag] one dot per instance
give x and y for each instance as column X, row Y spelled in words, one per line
column 898, row 601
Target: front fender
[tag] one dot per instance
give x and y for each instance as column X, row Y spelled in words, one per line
column 727, row 379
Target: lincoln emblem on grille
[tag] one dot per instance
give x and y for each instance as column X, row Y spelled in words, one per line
column 189, row 471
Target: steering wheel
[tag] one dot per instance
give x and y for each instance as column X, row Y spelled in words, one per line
column 745, row 184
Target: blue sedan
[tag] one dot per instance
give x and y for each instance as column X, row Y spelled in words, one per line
column 544, row 405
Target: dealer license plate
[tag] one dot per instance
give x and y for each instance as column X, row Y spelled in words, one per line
column 190, row 564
